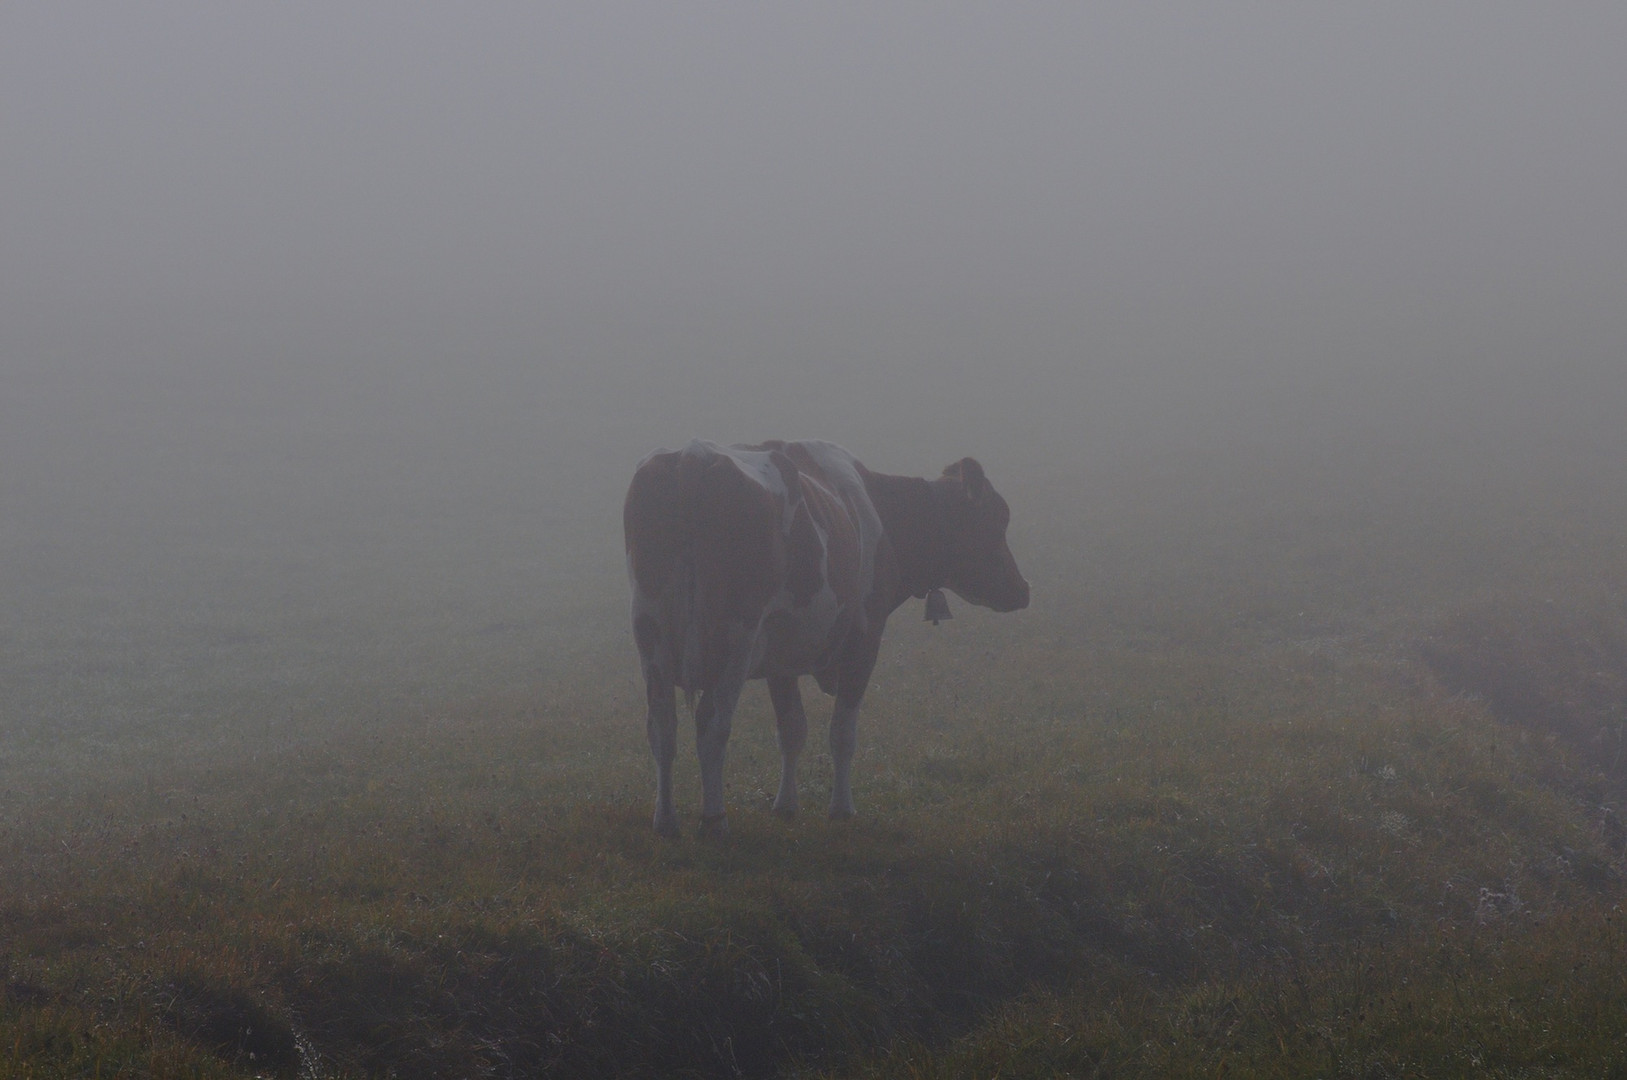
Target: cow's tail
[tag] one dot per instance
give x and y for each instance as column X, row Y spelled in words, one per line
column 659, row 518
column 690, row 661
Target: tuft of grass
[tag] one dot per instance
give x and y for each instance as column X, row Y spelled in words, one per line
column 1551, row 666
column 1545, row 1000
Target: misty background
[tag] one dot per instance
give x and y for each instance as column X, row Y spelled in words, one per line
column 330, row 335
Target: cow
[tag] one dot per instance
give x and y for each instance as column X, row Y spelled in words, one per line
column 781, row 560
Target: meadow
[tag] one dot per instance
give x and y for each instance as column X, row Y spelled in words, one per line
column 1295, row 767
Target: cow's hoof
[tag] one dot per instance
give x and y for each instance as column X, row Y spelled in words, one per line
column 666, row 826
column 786, row 810
column 715, row 827
column 840, row 813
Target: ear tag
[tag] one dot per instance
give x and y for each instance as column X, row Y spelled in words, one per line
column 937, row 607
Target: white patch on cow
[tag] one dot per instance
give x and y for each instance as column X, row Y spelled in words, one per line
column 838, row 467
column 813, row 622
column 758, row 465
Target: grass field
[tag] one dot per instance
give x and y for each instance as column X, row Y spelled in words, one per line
column 1285, row 773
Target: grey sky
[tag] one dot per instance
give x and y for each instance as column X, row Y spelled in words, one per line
column 647, row 209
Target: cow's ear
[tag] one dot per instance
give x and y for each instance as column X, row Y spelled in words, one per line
column 970, row 475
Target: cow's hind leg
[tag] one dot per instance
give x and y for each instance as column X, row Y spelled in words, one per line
column 792, row 722
column 661, row 724
column 714, row 716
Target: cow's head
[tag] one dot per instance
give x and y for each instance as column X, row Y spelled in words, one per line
column 980, row 567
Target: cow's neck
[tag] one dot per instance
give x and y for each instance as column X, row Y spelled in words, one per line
column 912, row 516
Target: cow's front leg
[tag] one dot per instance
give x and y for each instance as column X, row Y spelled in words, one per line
column 661, row 724
column 714, row 716
column 792, row 722
column 853, row 675
column 844, row 740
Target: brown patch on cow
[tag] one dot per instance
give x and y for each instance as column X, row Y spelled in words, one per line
column 737, row 552
column 804, row 558
column 912, row 550
column 646, row 633
column 696, row 522
column 782, row 635
column 736, row 538
column 653, row 523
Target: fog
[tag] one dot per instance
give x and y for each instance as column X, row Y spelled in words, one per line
column 330, row 335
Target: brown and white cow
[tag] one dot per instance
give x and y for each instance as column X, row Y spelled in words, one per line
column 782, row 560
